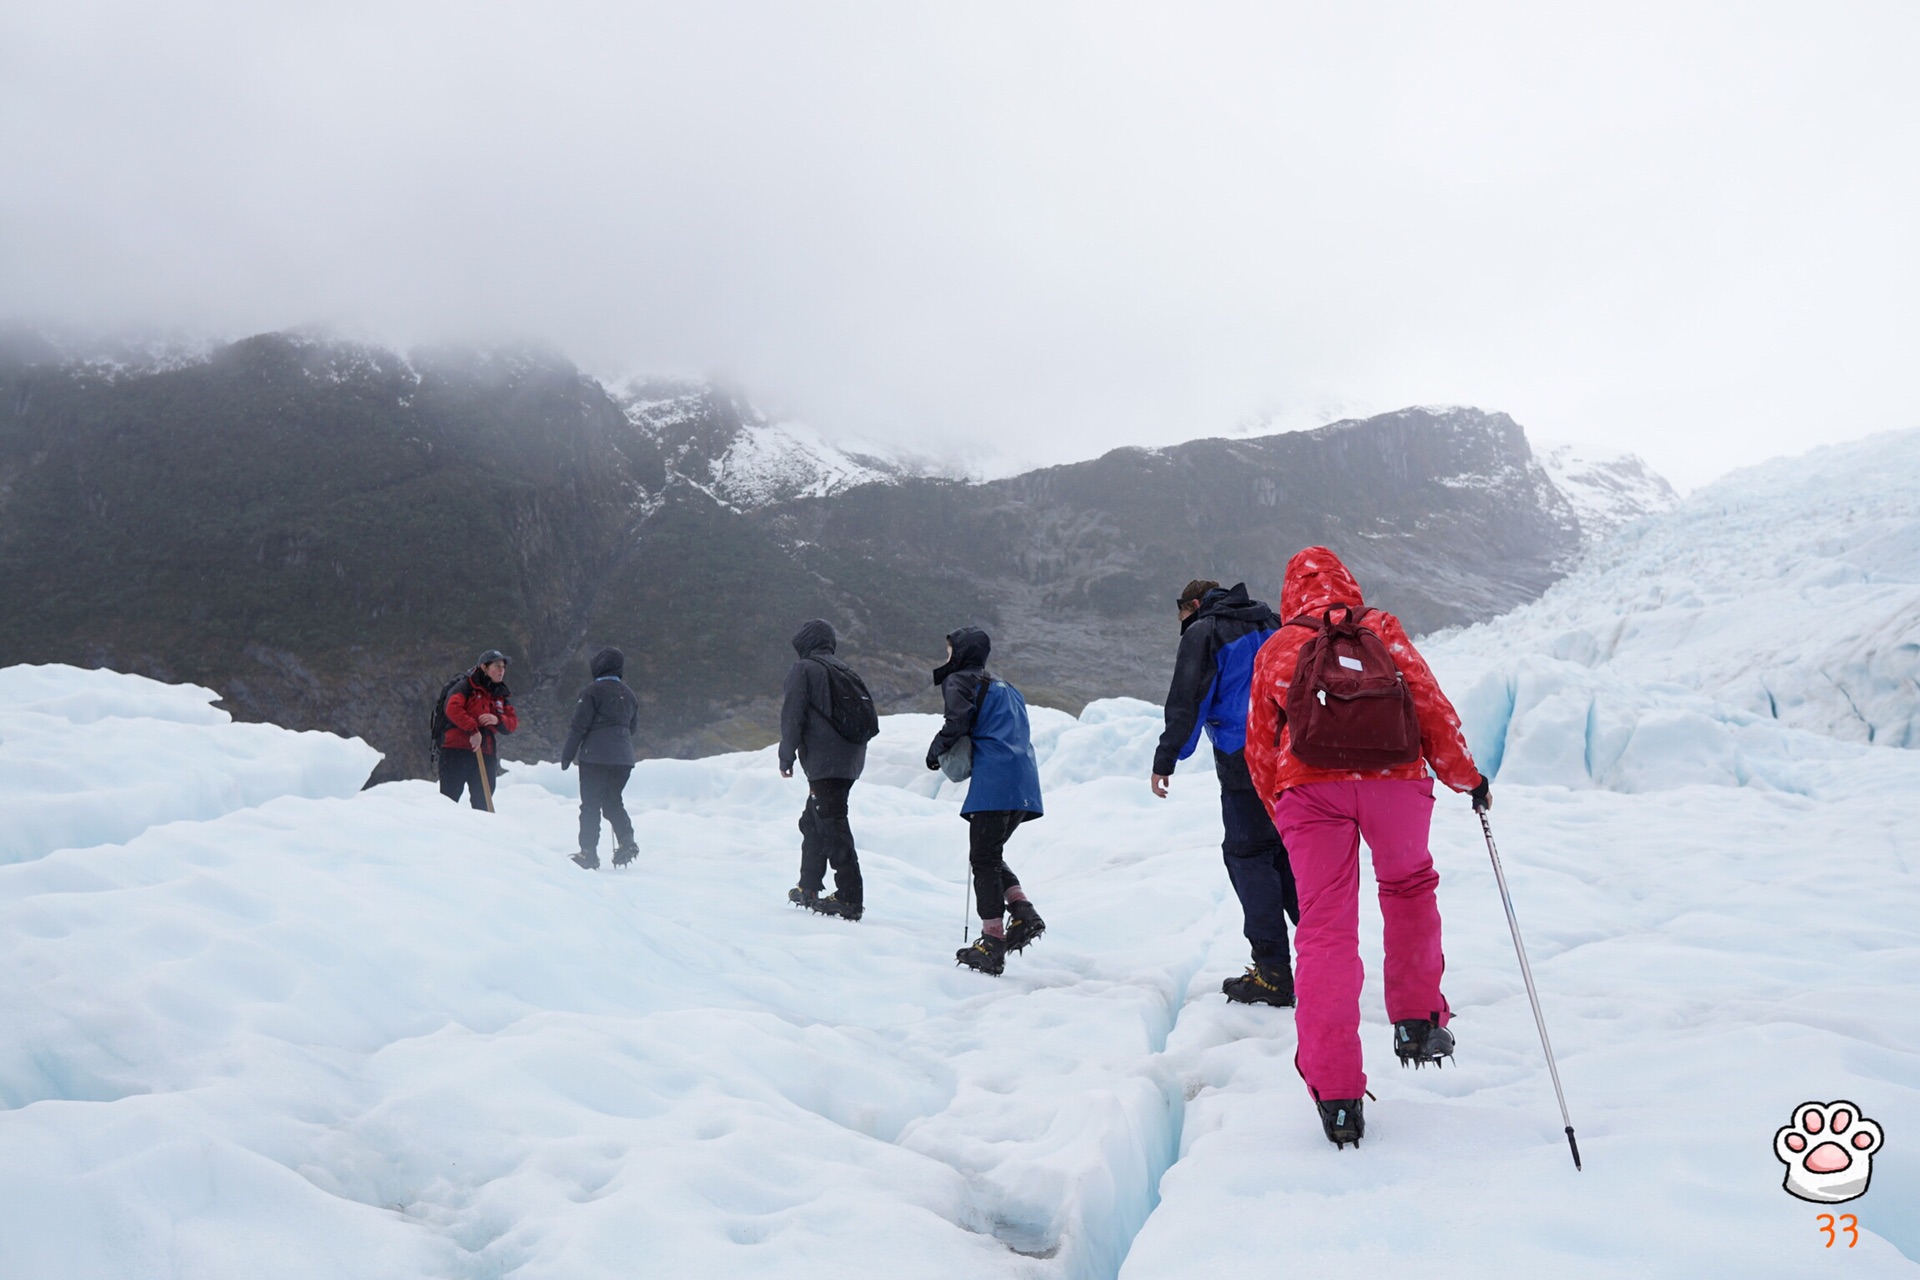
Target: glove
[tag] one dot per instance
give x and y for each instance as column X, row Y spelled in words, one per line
column 933, row 762
column 1482, row 795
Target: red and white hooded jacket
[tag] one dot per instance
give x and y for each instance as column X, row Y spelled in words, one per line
column 1317, row 581
column 470, row 699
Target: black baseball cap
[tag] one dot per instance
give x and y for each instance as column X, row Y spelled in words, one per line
column 492, row 655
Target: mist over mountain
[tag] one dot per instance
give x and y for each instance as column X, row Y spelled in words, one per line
column 325, row 531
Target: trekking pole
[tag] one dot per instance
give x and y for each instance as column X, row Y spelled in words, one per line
column 486, row 788
column 966, row 894
column 1533, row 996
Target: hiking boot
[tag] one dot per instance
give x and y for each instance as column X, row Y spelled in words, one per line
column 1343, row 1121
column 988, row 954
column 587, row 860
column 1261, row 985
column 625, row 854
column 1025, row 927
column 833, row 905
column 800, row 897
column 1420, row 1041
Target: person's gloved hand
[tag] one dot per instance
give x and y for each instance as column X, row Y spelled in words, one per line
column 933, row 762
column 1482, row 795
column 564, row 764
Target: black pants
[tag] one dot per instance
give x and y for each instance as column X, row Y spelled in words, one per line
column 601, row 786
column 1262, row 878
column 459, row 771
column 987, row 833
column 827, row 840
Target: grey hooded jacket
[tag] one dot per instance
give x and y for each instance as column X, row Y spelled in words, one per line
column 605, row 718
column 805, row 730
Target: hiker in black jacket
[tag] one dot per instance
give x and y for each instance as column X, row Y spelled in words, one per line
column 831, row 763
column 1221, row 629
column 601, row 739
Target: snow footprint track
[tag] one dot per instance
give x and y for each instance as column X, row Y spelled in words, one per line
column 1176, row 1084
column 1209, row 1046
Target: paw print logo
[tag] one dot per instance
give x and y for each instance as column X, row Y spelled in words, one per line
column 1828, row 1151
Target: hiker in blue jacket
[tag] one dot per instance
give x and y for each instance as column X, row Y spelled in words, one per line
column 1004, row 792
column 1221, row 629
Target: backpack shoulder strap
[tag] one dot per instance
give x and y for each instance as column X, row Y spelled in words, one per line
column 826, row 672
column 982, row 686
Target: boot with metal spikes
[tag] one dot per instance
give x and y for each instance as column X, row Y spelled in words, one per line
column 987, row 954
column 1420, row 1041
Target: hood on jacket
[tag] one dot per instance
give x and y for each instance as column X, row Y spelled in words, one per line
column 971, row 646
column 1228, row 602
column 813, row 637
column 1317, row 581
column 609, row 662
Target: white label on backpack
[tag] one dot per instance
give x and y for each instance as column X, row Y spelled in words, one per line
column 1351, row 664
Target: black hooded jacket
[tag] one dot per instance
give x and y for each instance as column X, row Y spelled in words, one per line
column 960, row 680
column 806, row 731
column 605, row 718
column 1226, row 614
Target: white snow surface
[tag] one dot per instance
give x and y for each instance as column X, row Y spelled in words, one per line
column 374, row 1034
column 97, row 757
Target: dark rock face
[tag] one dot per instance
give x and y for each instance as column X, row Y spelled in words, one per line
column 326, row 532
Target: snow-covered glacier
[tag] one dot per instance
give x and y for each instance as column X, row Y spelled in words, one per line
column 259, row 1020
column 1785, row 596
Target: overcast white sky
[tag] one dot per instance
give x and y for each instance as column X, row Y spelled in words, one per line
column 1037, row 230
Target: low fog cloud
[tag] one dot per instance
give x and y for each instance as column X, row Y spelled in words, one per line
column 1018, row 231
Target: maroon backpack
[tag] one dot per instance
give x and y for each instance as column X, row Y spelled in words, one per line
column 1348, row 706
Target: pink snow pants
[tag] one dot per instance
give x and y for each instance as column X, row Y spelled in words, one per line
column 1323, row 824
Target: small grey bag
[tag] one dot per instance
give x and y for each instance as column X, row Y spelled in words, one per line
column 957, row 763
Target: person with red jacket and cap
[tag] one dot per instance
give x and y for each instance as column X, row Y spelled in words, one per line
column 479, row 708
column 1323, row 813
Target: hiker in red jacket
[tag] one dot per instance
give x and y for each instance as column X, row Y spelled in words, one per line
column 478, row 710
column 1323, row 811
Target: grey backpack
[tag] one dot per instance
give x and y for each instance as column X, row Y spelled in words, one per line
column 957, row 763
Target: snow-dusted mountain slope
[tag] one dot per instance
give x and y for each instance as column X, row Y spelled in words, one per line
column 1602, row 490
column 107, row 355
column 383, row 1036
column 770, row 462
column 1785, row 595
column 722, row 444
column 1606, row 490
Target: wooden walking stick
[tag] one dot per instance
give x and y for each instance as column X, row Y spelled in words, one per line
column 486, row 788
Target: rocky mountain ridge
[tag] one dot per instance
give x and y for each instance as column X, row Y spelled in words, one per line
column 323, row 531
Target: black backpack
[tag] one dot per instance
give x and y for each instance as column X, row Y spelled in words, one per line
column 437, row 722
column 849, row 705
